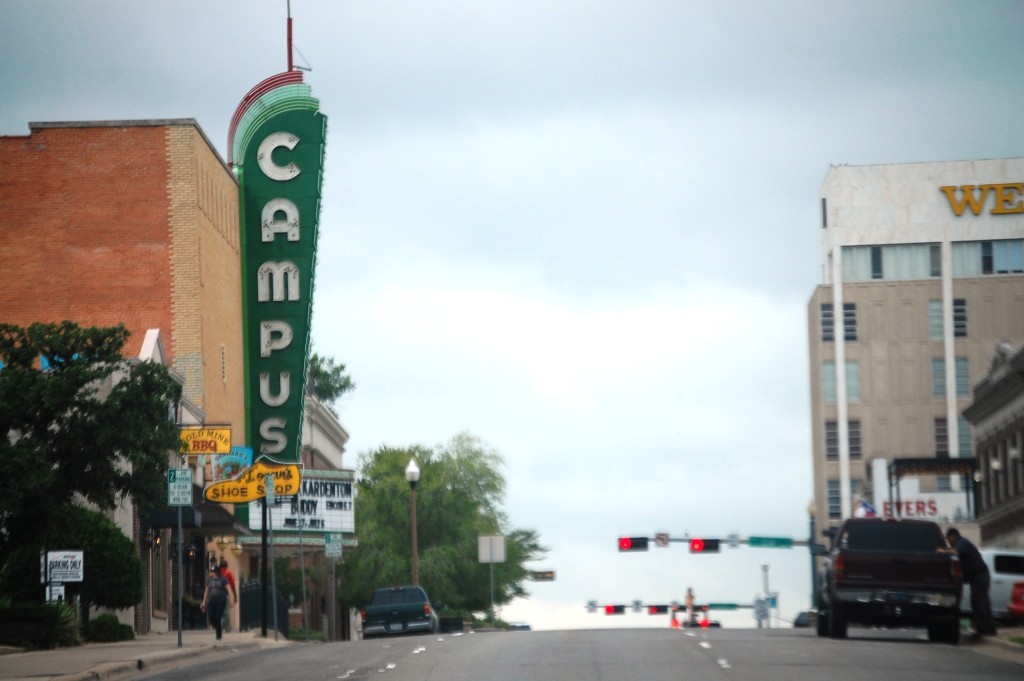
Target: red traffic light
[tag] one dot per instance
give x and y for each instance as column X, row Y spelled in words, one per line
column 614, row 609
column 698, row 545
column 632, row 543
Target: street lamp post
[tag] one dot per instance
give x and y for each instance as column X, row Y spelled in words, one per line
column 412, row 474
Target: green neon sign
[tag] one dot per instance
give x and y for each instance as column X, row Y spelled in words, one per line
column 278, row 150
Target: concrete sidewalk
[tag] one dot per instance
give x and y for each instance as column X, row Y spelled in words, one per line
column 95, row 661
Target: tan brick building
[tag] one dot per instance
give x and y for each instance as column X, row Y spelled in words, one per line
column 923, row 269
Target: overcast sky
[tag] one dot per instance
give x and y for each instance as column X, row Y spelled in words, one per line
column 584, row 232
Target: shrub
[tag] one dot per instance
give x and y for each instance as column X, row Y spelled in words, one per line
column 39, row 626
column 106, row 629
column 300, row 634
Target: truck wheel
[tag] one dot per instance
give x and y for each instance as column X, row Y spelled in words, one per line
column 822, row 623
column 836, row 623
column 945, row 631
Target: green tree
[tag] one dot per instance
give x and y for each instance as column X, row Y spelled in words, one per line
column 113, row 570
column 329, row 380
column 91, row 427
column 459, row 498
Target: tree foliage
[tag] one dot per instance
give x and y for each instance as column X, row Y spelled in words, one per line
column 113, row 570
column 329, row 380
column 91, row 427
column 459, row 498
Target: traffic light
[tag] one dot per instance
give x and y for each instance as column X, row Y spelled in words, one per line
column 614, row 609
column 698, row 545
column 657, row 609
column 632, row 543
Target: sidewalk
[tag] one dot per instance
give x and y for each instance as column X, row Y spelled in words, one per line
column 1006, row 645
column 95, row 661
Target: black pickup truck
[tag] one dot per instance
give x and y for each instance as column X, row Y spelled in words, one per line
column 891, row 573
column 399, row 610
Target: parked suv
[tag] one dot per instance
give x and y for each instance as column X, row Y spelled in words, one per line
column 399, row 610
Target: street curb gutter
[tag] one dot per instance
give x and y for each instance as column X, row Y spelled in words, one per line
column 113, row 670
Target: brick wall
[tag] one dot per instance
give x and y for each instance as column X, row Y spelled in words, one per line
column 134, row 223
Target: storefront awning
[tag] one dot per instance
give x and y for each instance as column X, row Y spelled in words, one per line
column 203, row 518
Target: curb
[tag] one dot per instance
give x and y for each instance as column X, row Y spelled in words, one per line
column 112, row 670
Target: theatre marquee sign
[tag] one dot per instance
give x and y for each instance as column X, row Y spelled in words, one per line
column 277, row 141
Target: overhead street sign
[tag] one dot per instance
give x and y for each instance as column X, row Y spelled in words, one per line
column 771, row 542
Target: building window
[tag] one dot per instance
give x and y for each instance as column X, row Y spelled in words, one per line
column 941, row 439
column 853, row 440
column 963, row 377
column 853, row 381
column 960, row 317
column 935, row 325
column 850, row 321
column 935, row 260
column 828, row 323
column 834, row 501
column 938, row 377
column 831, row 440
column 830, row 384
column 876, row 262
column 965, row 437
column 898, row 262
column 976, row 258
column 935, row 319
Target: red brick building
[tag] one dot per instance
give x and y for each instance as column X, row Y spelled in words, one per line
column 132, row 222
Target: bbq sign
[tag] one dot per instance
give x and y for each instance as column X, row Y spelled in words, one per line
column 200, row 441
column 277, row 139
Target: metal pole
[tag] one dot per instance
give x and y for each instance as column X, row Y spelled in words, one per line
column 415, row 544
column 273, row 577
column 302, row 566
column 180, row 575
column 814, row 566
column 334, row 600
column 767, row 594
column 263, row 571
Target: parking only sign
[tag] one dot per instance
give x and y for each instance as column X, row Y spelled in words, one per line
column 179, row 487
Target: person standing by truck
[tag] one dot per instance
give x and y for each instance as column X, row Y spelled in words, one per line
column 976, row 574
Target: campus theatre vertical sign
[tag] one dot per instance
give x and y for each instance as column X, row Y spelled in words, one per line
column 277, row 143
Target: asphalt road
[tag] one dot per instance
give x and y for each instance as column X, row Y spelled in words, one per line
column 622, row 654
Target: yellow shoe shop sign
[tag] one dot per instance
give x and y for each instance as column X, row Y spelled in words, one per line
column 251, row 484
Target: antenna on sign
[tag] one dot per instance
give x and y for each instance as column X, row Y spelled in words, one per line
column 289, row 35
column 291, row 47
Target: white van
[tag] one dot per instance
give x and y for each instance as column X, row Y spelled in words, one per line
column 1006, row 566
